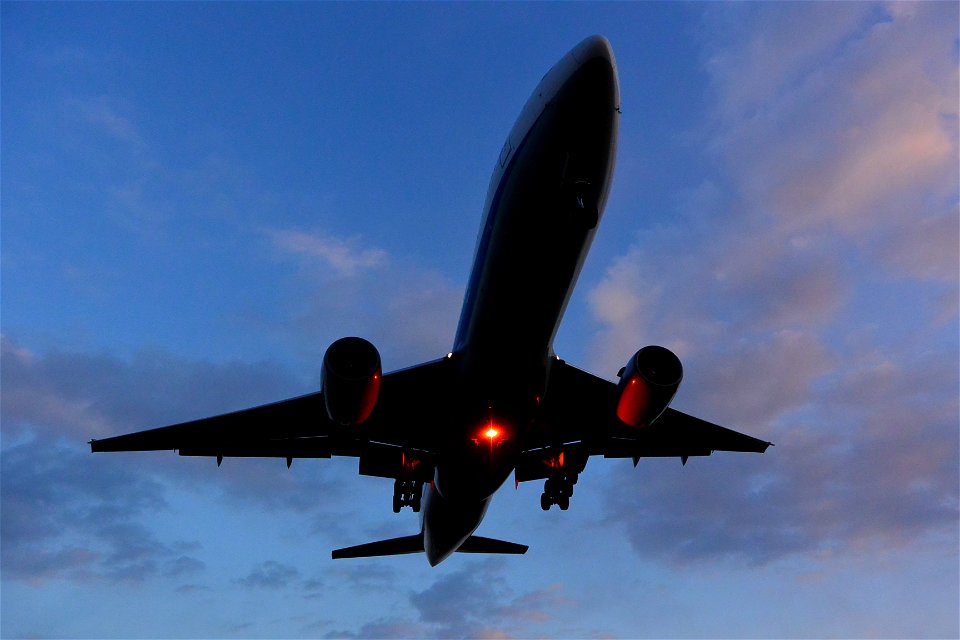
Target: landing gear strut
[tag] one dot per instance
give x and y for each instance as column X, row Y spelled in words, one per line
column 557, row 490
column 407, row 493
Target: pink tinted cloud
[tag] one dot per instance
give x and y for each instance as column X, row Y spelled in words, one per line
column 855, row 136
column 836, row 144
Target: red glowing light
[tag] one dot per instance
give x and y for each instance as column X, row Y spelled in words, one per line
column 555, row 463
column 634, row 402
column 491, row 433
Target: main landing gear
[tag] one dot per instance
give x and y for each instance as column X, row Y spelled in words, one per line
column 557, row 491
column 407, row 493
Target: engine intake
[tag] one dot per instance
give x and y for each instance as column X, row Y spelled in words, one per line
column 647, row 385
column 350, row 380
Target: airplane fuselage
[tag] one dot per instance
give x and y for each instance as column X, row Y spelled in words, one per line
column 546, row 195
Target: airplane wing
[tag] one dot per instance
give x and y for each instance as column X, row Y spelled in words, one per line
column 389, row 443
column 578, row 419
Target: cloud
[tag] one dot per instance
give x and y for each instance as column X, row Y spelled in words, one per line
column 873, row 466
column 270, row 575
column 107, row 116
column 476, row 600
column 409, row 312
column 82, row 395
column 69, row 514
column 808, row 295
column 379, row 629
column 928, row 251
column 339, row 254
column 855, row 130
column 365, row 575
column 65, row 517
column 183, row 565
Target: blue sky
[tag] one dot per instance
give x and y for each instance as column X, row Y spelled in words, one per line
column 198, row 198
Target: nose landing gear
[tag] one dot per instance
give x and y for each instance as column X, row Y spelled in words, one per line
column 407, row 493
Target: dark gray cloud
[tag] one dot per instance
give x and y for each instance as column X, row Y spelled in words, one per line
column 65, row 516
column 475, row 601
column 478, row 601
column 365, row 575
column 69, row 513
column 875, row 465
column 74, row 396
column 191, row 588
column 80, row 395
column 377, row 629
column 183, row 565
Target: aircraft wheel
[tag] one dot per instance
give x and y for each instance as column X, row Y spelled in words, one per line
column 550, row 487
column 564, row 503
column 396, row 504
column 545, row 502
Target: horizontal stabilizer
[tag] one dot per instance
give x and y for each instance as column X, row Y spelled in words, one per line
column 391, row 547
column 479, row 544
column 414, row 544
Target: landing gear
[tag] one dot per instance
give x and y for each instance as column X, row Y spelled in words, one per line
column 407, row 493
column 557, row 491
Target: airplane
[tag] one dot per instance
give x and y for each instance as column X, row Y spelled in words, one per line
column 449, row 432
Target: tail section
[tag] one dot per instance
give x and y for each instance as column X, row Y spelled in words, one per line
column 414, row 544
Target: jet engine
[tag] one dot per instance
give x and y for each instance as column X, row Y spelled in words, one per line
column 647, row 385
column 350, row 380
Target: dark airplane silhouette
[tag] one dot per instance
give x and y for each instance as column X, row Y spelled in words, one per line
column 501, row 401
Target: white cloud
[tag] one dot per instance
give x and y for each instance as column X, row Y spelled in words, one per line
column 106, row 115
column 340, row 254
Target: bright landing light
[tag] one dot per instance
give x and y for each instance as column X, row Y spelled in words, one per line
column 491, row 433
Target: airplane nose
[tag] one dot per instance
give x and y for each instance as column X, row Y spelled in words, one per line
column 594, row 47
column 594, row 74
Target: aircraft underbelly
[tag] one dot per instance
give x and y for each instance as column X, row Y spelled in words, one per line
column 536, row 247
column 447, row 523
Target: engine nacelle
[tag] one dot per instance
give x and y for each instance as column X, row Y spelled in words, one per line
column 647, row 385
column 350, row 380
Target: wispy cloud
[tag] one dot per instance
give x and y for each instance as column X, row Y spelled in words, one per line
column 339, row 254
column 107, row 116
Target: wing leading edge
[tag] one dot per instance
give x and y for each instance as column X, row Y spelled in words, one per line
column 300, row 428
column 578, row 420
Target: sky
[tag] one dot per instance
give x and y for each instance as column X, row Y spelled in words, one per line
column 197, row 198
